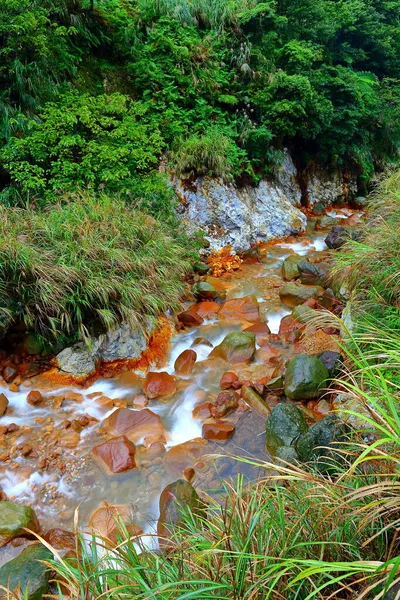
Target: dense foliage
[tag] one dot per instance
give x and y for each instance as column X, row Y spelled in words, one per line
column 94, row 95
column 87, row 260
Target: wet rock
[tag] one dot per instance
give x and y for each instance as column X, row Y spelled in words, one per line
column 289, row 324
column 116, row 455
column 236, row 347
column 318, row 209
column 159, row 385
column 206, row 310
column 3, row 404
column 321, row 438
column 217, row 431
column 201, row 268
column 202, row 342
column 34, row 398
column 27, row 572
column 240, row 309
column 285, row 423
column 176, row 500
column 14, row 519
column 287, row 454
column 290, row 269
column 303, row 313
column 228, row 379
column 190, row 318
column 33, row 343
column 337, row 237
column 292, row 294
column 206, row 291
column 139, row 401
column 259, row 329
column 311, row 274
column 333, row 361
column 225, row 403
column 9, row 373
column 185, row 362
column 189, row 474
column 305, row 377
column 202, row 411
column 60, row 539
column 134, row 424
column 255, row 401
column 325, row 222
column 185, row 455
column 67, row 439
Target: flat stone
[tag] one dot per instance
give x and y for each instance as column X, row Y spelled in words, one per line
column 255, row 401
column 292, row 294
column 116, row 455
column 134, row 424
column 240, row 309
column 217, row 431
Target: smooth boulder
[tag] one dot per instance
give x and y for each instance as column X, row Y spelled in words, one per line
column 305, row 377
column 285, row 423
column 14, row 519
column 236, row 347
column 27, row 572
column 185, row 362
column 134, row 424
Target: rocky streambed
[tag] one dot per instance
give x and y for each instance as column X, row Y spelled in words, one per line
column 238, row 352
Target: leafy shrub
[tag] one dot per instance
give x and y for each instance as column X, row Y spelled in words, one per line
column 87, row 259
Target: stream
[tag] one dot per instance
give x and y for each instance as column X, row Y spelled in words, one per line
column 59, row 473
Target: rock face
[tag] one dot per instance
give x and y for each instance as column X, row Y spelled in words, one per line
column 123, row 342
column 285, row 423
column 305, row 377
column 328, row 187
column 175, row 499
column 14, row 519
column 236, row 347
column 116, row 455
column 27, row 572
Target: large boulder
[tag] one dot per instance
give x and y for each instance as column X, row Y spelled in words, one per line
column 116, row 455
column 134, row 424
column 290, row 269
column 305, row 377
column 319, row 441
column 285, row 423
column 240, row 309
column 27, row 572
column 159, row 385
column 176, row 499
column 14, row 519
column 236, row 347
column 293, row 294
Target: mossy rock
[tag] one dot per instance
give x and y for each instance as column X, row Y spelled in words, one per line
column 14, row 519
column 290, row 267
column 236, row 347
column 305, row 377
column 206, row 291
column 34, row 343
column 311, row 274
column 292, row 294
column 285, row 423
column 201, row 268
column 27, row 572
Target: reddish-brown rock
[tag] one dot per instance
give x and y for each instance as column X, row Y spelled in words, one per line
column 60, row 539
column 135, row 424
column 185, row 455
column 259, row 329
column 9, row 373
column 105, row 521
column 159, row 385
column 200, row 341
column 289, row 324
column 206, row 310
column 3, row 404
column 218, row 432
column 202, row 411
column 225, row 403
column 240, row 309
column 34, row 398
column 116, row 455
column 185, row 362
column 228, row 379
column 192, row 319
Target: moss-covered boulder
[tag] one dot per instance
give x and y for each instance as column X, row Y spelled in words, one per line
column 285, row 423
column 206, row 291
column 27, row 572
column 303, row 313
column 176, row 499
column 14, row 519
column 305, row 377
column 236, row 347
column 293, row 294
column 290, row 267
column 320, row 439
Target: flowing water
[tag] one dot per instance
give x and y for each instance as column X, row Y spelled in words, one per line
column 57, row 476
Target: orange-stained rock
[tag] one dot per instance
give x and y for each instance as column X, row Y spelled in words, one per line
column 206, row 310
column 3, row 404
column 200, row 341
column 116, row 455
column 34, row 397
column 189, row 474
column 192, row 319
column 227, row 380
column 289, row 324
column 225, row 403
column 60, row 539
column 269, row 351
column 217, row 431
column 135, row 424
column 259, row 329
column 240, row 309
column 67, row 439
column 311, row 302
column 185, row 362
column 73, row 396
column 185, row 455
column 159, row 385
column 139, row 401
column 105, row 520
column 202, row 411
column 104, row 402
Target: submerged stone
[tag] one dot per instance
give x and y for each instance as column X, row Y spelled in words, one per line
column 240, row 309
column 116, row 455
column 134, row 424
column 305, row 377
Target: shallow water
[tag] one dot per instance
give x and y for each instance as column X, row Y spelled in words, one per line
column 56, row 490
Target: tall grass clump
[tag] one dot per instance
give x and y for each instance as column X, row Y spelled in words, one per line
column 87, row 260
